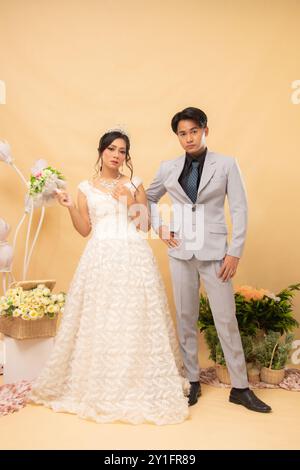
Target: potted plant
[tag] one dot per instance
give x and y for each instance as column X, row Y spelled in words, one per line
column 258, row 311
column 216, row 354
column 30, row 310
column 272, row 354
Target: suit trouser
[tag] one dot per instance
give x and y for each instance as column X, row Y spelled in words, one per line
column 186, row 276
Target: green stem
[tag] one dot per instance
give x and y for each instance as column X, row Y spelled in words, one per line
column 273, row 352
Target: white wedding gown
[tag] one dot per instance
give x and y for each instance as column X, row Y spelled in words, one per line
column 115, row 357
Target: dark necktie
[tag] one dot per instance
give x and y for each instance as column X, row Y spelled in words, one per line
column 192, row 182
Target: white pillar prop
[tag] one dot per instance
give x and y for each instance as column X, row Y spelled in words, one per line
column 24, row 359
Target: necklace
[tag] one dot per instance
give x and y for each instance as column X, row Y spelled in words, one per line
column 110, row 185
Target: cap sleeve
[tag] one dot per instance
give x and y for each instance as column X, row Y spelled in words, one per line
column 134, row 184
column 137, row 181
column 83, row 187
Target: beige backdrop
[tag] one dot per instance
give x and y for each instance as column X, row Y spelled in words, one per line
column 73, row 68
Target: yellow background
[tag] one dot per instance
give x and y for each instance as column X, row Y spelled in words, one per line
column 75, row 68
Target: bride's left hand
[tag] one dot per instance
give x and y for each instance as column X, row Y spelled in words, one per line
column 121, row 192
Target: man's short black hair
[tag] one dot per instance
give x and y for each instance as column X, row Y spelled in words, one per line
column 195, row 114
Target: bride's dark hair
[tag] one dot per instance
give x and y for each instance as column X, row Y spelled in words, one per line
column 105, row 141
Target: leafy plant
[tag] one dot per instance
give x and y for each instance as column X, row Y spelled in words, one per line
column 256, row 311
column 273, row 352
column 267, row 313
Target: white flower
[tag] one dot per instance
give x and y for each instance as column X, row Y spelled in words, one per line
column 4, row 306
column 33, row 314
column 39, row 166
column 17, row 312
column 46, row 291
column 61, row 298
column 273, row 296
column 16, row 300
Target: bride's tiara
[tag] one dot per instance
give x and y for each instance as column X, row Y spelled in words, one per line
column 118, row 129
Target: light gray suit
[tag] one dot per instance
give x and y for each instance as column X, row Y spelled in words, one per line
column 202, row 229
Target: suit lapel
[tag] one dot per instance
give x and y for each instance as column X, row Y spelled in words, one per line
column 209, row 168
column 177, row 172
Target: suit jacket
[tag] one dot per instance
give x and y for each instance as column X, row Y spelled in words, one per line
column 201, row 227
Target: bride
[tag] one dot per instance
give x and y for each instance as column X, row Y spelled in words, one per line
column 115, row 356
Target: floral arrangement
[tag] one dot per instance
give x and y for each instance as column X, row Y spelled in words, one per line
column 250, row 293
column 257, row 309
column 44, row 181
column 31, row 304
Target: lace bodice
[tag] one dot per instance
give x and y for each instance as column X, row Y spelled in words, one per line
column 108, row 216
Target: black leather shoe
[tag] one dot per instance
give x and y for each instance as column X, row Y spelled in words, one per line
column 248, row 399
column 195, row 392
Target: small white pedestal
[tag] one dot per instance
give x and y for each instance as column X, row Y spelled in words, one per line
column 24, row 359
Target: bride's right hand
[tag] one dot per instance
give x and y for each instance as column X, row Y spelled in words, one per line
column 64, row 198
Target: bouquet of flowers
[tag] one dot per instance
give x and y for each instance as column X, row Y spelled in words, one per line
column 44, row 181
column 31, row 304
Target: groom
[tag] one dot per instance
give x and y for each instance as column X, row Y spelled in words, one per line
column 198, row 183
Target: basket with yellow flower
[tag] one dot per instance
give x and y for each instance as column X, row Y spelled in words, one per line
column 29, row 310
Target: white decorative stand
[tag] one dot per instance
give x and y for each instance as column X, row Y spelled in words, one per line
column 24, row 359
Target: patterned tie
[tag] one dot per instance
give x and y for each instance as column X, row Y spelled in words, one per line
column 192, row 180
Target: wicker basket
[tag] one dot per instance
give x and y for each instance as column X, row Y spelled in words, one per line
column 253, row 376
column 272, row 376
column 27, row 285
column 223, row 374
column 18, row 328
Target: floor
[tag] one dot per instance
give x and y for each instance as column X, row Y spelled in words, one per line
column 214, row 423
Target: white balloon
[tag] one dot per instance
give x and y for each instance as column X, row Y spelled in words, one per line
column 6, row 257
column 4, row 230
column 5, row 152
